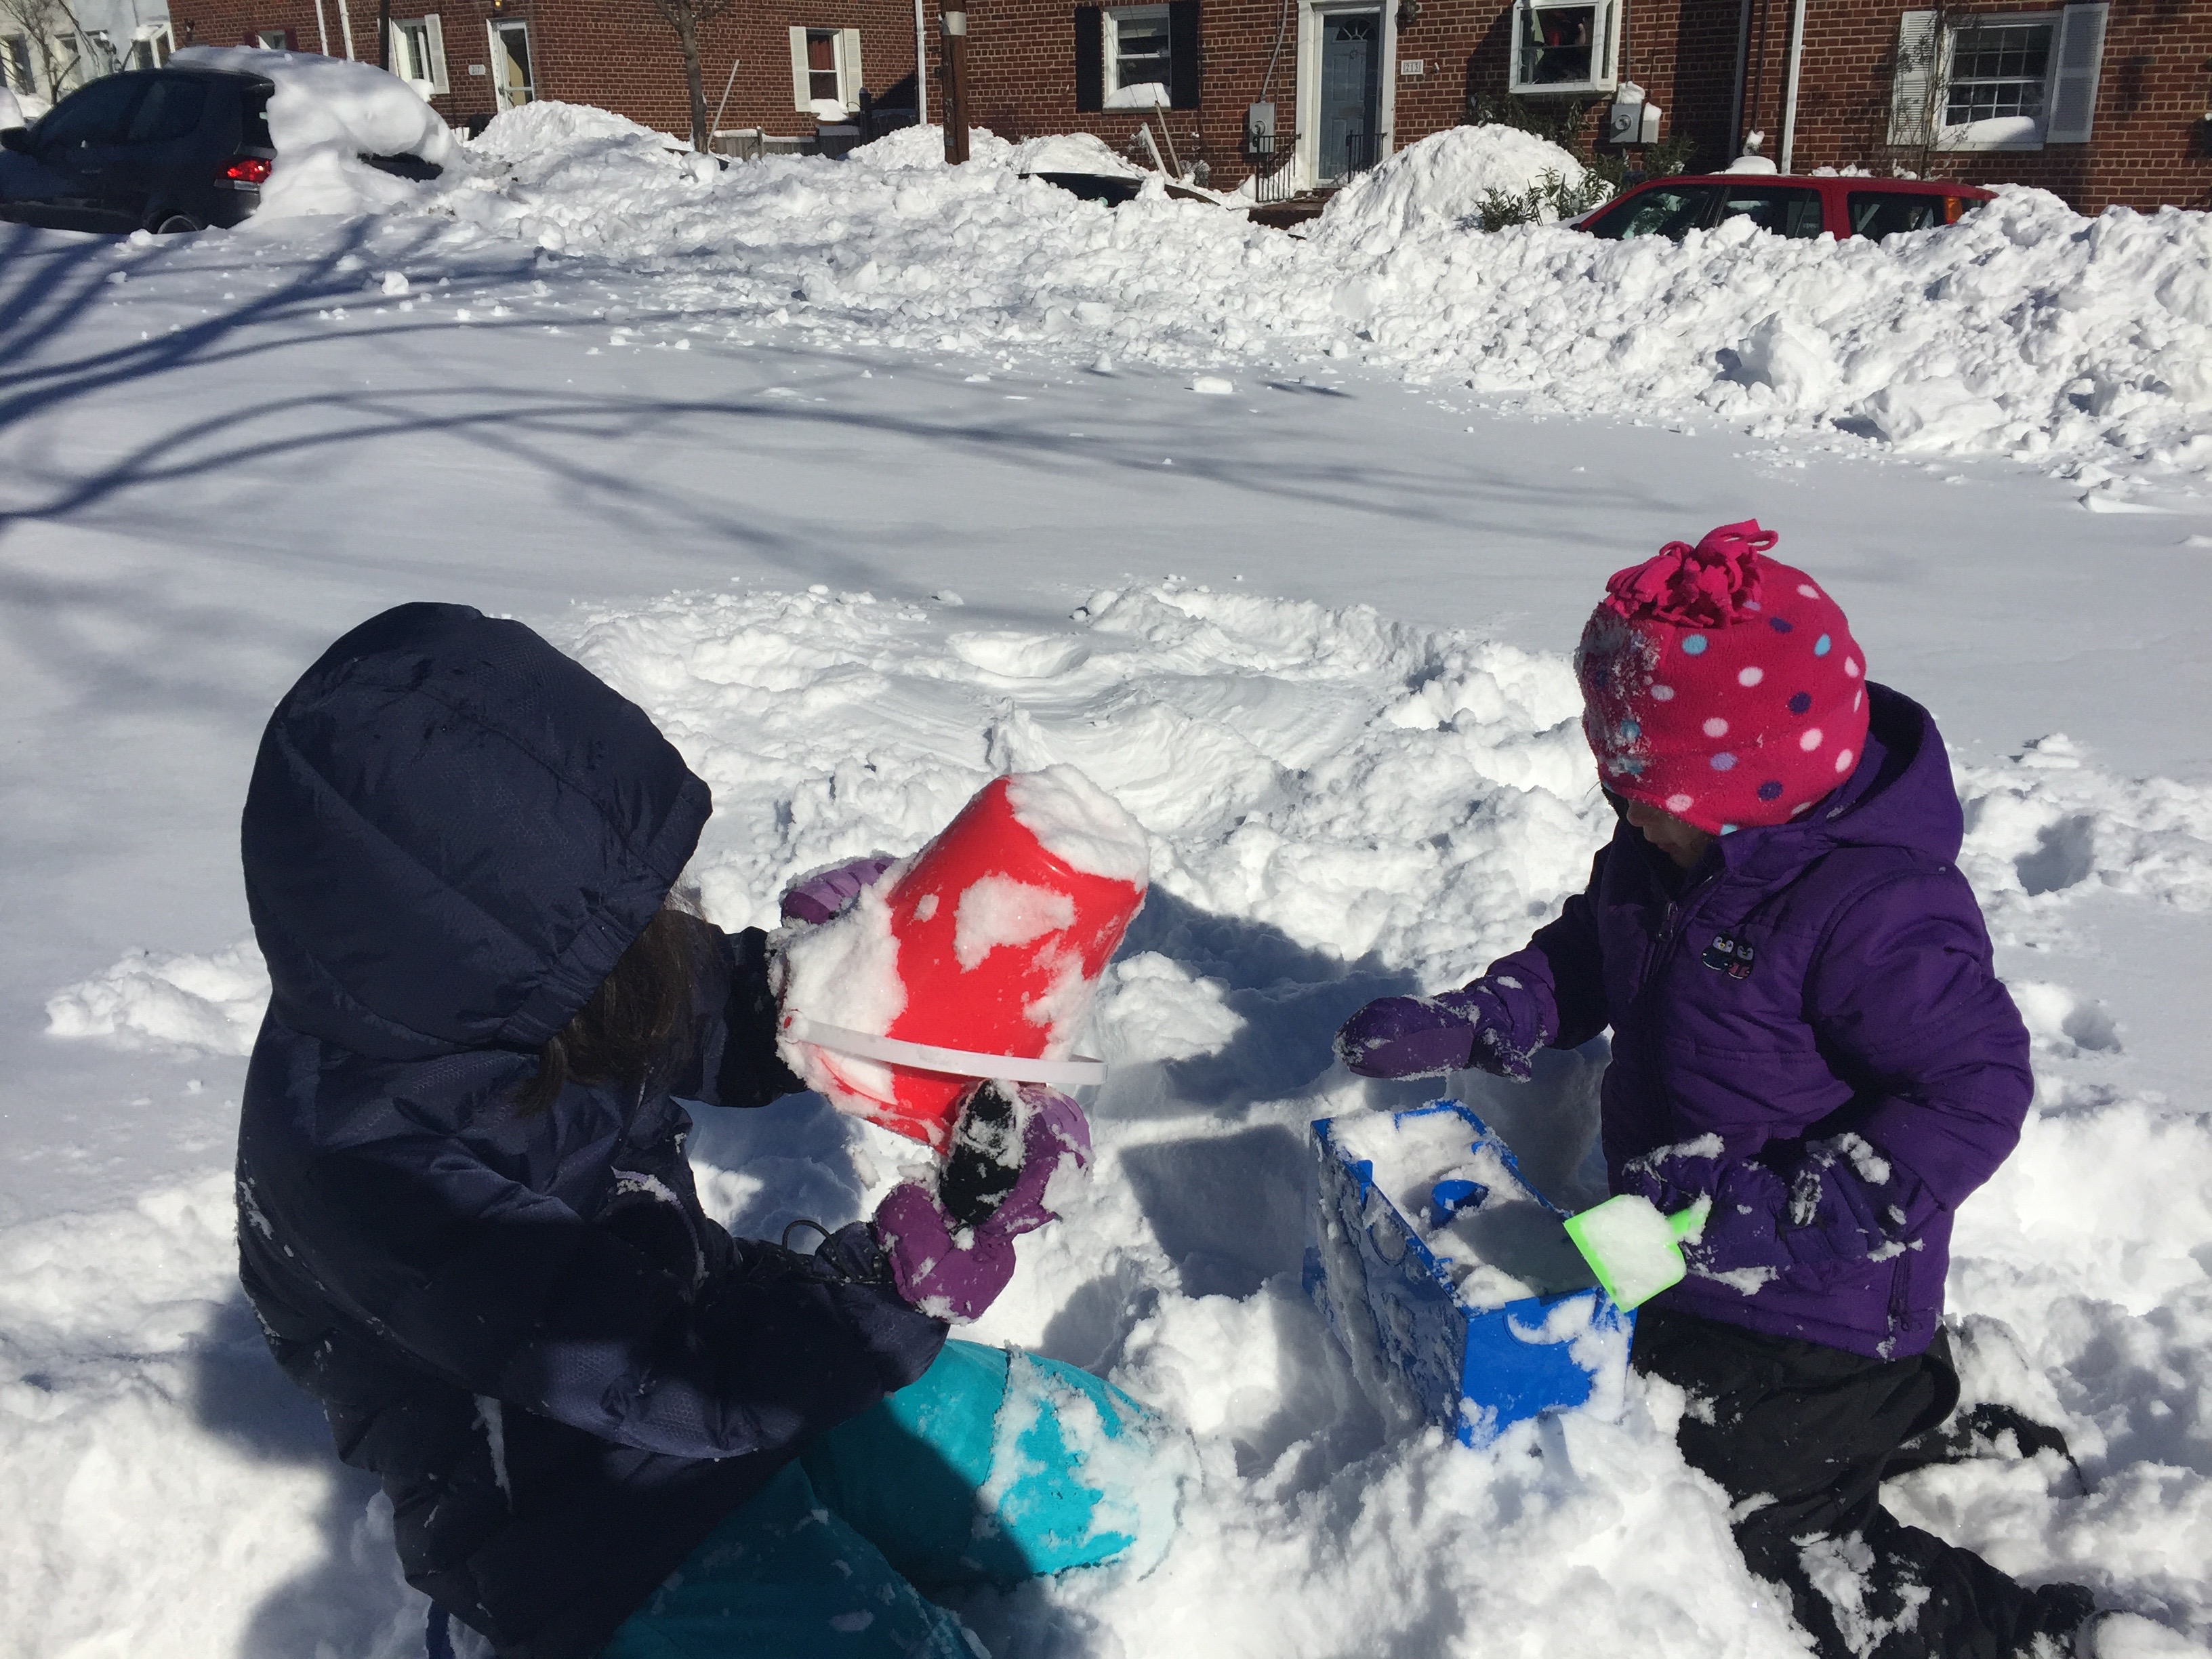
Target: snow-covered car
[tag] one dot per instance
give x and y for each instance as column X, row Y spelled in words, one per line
column 1840, row 205
column 194, row 143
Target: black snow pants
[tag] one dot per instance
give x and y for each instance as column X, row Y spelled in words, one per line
column 1801, row 1436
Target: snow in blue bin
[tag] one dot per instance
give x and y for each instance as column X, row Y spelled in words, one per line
column 1439, row 1263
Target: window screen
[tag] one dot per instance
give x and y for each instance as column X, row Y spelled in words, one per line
column 1668, row 210
column 1776, row 207
column 1140, row 47
column 1997, row 69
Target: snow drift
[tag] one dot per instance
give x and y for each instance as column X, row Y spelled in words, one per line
column 2078, row 345
column 1440, row 184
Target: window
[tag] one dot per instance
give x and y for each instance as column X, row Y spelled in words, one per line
column 418, row 54
column 1996, row 80
column 1139, row 61
column 94, row 116
column 1776, row 207
column 16, row 64
column 510, row 81
column 1997, row 72
column 1137, row 58
column 1565, row 45
column 1875, row 214
column 151, row 45
column 273, row 39
column 825, row 72
column 1669, row 210
column 170, row 110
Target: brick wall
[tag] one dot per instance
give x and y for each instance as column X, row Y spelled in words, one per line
column 617, row 54
column 2149, row 140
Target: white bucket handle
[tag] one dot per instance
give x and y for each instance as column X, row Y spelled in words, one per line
column 956, row 1062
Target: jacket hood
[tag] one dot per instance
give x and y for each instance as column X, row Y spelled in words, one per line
column 452, row 833
column 1901, row 793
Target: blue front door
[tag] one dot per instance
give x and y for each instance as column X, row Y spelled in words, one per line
column 1351, row 93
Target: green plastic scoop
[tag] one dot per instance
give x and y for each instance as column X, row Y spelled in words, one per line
column 1635, row 1251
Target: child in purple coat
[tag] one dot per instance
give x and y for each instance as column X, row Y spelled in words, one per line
column 1807, row 1031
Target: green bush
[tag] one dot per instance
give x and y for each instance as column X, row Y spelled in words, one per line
column 1560, row 121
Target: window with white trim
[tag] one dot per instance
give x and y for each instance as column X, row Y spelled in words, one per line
column 273, row 39
column 825, row 72
column 418, row 54
column 16, row 64
column 1140, row 57
column 1998, row 81
column 1566, row 45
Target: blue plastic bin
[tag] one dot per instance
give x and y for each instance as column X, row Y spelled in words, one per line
column 1390, row 1300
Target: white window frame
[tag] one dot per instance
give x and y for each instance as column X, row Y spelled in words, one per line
column 1313, row 16
column 1110, row 46
column 1605, row 49
column 847, row 45
column 2070, row 87
column 501, row 91
column 154, row 42
column 431, row 31
column 12, row 64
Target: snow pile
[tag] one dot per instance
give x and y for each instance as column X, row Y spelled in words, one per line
column 1341, row 805
column 1439, row 185
column 546, row 124
column 210, row 1002
column 2081, row 346
column 1072, row 152
column 326, row 114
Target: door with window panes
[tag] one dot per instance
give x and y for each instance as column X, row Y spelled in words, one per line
column 1349, row 132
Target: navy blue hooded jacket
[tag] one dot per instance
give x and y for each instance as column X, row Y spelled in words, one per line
column 563, row 1371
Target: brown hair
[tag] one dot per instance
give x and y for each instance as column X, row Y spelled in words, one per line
column 633, row 1022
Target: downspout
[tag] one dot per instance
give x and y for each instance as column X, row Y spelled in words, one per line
column 920, row 68
column 345, row 28
column 322, row 31
column 1736, row 98
column 1789, row 85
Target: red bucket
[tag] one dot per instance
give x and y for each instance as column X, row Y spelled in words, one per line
column 975, row 958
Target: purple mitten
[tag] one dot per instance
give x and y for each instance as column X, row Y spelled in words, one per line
column 956, row 1274
column 1055, row 1147
column 817, row 898
column 933, row 1270
column 1425, row 1036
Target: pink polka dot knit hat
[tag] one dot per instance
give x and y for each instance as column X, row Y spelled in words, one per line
column 1720, row 685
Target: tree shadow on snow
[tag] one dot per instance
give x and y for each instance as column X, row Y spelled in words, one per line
column 196, row 458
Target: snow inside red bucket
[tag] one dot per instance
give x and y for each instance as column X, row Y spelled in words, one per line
column 975, row 958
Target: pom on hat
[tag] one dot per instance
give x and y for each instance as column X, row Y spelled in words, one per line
column 1721, row 686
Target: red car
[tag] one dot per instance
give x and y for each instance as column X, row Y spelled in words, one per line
column 1841, row 207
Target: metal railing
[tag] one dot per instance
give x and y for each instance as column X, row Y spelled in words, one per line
column 1275, row 158
column 1275, row 169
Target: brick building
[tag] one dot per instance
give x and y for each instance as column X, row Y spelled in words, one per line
column 2101, row 103
column 798, row 62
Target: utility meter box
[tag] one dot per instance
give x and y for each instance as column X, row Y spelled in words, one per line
column 1629, row 119
column 1451, row 1280
column 1260, row 129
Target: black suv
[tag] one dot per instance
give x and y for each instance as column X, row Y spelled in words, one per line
column 165, row 150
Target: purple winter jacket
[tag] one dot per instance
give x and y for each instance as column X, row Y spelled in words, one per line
column 1808, row 1028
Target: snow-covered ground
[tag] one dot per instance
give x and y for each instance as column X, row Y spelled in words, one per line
column 858, row 543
